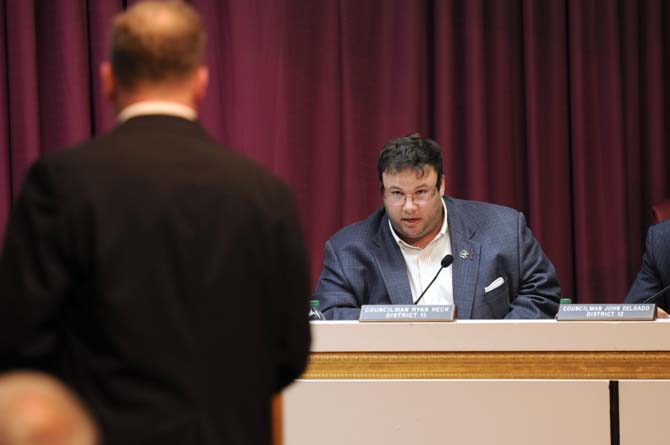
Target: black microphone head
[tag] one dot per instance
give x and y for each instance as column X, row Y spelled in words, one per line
column 447, row 260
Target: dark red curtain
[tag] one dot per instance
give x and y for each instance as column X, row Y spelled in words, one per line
column 558, row 108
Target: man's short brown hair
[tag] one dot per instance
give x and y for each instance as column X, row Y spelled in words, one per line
column 156, row 41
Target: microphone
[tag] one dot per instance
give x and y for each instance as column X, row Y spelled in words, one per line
column 446, row 262
column 657, row 294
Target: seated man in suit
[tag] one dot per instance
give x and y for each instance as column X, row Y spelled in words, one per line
column 654, row 273
column 499, row 269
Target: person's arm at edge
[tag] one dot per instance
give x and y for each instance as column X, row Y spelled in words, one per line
column 292, row 334
column 648, row 281
column 333, row 290
column 539, row 291
column 34, row 273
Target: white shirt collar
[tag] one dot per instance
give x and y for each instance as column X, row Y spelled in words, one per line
column 442, row 232
column 156, row 107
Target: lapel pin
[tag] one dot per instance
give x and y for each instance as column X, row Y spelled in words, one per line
column 464, row 254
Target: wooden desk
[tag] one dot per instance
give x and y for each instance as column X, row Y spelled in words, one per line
column 480, row 382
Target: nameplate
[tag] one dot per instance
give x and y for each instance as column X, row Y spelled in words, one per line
column 606, row 312
column 407, row 312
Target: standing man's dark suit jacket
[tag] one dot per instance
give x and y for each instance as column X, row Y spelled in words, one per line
column 164, row 278
column 654, row 273
column 363, row 264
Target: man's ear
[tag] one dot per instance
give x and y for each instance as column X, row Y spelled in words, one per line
column 200, row 86
column 108, row 81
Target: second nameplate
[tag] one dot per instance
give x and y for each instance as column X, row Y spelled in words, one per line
column 606, row 312
column 407, row 312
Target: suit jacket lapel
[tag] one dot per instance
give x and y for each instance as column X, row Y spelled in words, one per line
column 466, row 252
column 392, row 265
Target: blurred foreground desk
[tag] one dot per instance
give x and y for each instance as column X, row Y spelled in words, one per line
column 482, row 382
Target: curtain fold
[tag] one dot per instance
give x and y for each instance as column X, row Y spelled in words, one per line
column 558, row 108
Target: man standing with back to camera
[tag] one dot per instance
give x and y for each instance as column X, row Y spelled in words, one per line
column 161, row 276
column 499, row 269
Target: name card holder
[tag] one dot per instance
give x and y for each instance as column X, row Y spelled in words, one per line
column 606, row 312
column 407, row 312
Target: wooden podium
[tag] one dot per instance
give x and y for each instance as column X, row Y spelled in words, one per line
column 481, row 382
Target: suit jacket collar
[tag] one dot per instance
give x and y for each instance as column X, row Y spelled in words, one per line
column 465, row 248
column 164, row 124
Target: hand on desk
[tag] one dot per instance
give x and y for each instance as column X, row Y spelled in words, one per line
column 660, row 313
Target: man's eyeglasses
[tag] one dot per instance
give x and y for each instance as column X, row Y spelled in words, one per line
column 419, row 197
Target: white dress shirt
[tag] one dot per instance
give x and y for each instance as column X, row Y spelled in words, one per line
column 156, row 107
column 423, row 264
